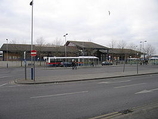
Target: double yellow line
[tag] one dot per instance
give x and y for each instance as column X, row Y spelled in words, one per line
column 115, row 114
column 107, row 116
column 151, row 105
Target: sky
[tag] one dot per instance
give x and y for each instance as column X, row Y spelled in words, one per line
column 98, row 21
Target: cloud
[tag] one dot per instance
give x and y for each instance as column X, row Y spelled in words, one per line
column 84, row 20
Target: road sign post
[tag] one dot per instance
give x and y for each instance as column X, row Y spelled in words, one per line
column 25, row 65
column 33, row 54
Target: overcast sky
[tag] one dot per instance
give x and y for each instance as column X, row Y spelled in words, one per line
column 84, row 20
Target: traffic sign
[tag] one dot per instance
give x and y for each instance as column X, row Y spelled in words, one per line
column 33, row 52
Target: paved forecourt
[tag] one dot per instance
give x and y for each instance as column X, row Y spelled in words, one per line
column 93, row 73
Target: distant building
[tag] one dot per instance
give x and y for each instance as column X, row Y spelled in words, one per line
column 89, row 49
column 15, row 52
column 123, row 54
column 153, row 59
column 1, row 55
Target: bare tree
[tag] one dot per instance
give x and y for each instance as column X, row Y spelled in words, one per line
column 18, row 51
column 13, row 42
column 132, row 46
column 58, row 42
column 40, row 43
column 112, row 43
column 149, row 49
column 49, row 45
column 122, row 44
column 89, row 40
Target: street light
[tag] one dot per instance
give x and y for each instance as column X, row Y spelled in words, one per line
column 7, row 52
column 65, row 44
column 143, row 48
column 32, row 67
column 32, row 4
column 137, row 63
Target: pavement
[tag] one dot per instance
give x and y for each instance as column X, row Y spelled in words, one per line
column 146, row 112
column 84, row 77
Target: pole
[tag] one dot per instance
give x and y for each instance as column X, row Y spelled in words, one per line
column 65, row 45
column 7, row 53
column 124, row 66
column 143, row 49
column 137, row 66
column 25, row 65
column 137, row 63
column 32, row 65
column 34, row 69
column 65, row 50
column 32, row 29
column 124, row 63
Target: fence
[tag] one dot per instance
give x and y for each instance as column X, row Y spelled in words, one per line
column 20, row 63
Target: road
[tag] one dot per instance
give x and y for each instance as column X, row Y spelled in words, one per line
column 75, row 100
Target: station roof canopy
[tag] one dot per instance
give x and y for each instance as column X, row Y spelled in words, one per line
column 26, row 47
column 123, row 51
column 87, row 45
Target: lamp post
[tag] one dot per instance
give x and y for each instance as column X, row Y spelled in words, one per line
column 32, row 67
column 7, row 52
column 137, row 62
column 32, row 4
column 143, row 48
column 65, row 44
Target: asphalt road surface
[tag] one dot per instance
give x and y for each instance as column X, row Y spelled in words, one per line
column 75, row 100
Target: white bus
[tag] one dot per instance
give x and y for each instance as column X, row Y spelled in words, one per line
column 67, row 61
column 153, row 60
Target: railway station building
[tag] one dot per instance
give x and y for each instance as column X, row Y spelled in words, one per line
column 15, row 52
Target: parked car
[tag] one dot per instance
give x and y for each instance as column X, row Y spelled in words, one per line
column 66, row 64
column 107, row 63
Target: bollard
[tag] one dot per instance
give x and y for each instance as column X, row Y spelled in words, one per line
column 32, row 74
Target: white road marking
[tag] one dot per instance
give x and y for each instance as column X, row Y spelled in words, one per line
column 55, row 95
column 108, row 82
column 130, row 85
column 15, row 86
column 4, row 77
column 3, row 84
column 147, row 91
